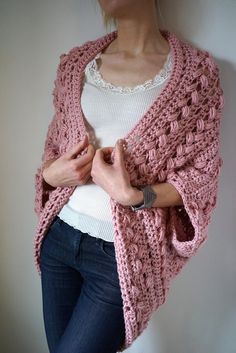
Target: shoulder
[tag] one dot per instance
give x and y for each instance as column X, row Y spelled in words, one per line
column 68, row 59
column 201, row 74
column 75, row 53
column 203, row 63
column 198, row 66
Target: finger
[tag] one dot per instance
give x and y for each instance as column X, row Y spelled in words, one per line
column 119, row 157
column 76, row 149
column 99, row 154
column 100, row 158
column 107, row 150
column 85, row 172
column 90, row 151
column 107, row 158
column 85, row 158
column 86, row 179
column 104, row 153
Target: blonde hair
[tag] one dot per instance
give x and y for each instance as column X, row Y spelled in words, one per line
column 109, row 20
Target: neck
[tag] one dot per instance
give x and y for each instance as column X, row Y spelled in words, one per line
column 139, row 35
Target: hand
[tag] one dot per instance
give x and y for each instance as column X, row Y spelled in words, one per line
column 113, row 178
column 70, row 170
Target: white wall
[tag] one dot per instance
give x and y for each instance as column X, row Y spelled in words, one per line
column 200, row 314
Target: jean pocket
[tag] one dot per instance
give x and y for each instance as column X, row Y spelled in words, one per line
column 108, row 248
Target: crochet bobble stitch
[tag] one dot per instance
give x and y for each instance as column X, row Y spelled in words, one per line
column 176, row 141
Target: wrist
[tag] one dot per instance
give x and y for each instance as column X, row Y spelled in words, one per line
column 47, row 163
column 46, row 182
column 134, row 196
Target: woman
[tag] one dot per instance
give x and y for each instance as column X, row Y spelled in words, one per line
column 119, row 220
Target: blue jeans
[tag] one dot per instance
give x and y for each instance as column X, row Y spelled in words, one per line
column 82, row 303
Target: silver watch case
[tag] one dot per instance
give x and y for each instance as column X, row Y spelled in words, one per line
column 149, row 197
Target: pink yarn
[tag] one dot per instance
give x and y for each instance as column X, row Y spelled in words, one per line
column 176, row 141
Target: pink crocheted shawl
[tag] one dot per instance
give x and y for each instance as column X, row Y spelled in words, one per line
column 176, row 141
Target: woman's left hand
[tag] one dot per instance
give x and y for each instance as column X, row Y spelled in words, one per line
column 113, row 178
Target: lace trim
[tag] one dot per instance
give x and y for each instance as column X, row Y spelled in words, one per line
column 93, row 73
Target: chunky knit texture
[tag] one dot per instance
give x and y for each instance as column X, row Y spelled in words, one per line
column 88, row 208
column 177, row 141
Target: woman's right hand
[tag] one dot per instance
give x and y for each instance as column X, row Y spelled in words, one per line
column 70, row 170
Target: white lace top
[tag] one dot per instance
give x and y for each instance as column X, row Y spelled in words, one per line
column 110, row 112
column 93, row 74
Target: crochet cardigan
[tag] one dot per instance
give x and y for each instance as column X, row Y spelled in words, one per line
column 177, row 141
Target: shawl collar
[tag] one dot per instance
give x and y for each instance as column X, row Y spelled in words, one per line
column 134, row 136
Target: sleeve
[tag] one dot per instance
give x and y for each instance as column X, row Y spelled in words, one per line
column 51, row 145
column 197, row 181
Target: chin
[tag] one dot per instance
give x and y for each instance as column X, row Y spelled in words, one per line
column 116, row 8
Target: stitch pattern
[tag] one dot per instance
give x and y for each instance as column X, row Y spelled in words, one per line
column 177, row 141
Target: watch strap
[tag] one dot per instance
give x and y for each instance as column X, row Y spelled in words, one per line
column 149, row 195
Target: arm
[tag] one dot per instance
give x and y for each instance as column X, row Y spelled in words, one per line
column 168, row 195
column 51, row 145
column 193, row 188
column 195, row 182
column 44, row 166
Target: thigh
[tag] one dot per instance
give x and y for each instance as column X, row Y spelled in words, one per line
column 61, row 287
column 97, row 323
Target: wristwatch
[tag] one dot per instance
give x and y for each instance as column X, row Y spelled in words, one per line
column 149, row 196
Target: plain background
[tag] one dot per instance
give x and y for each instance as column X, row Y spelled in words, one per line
column 200, row 313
